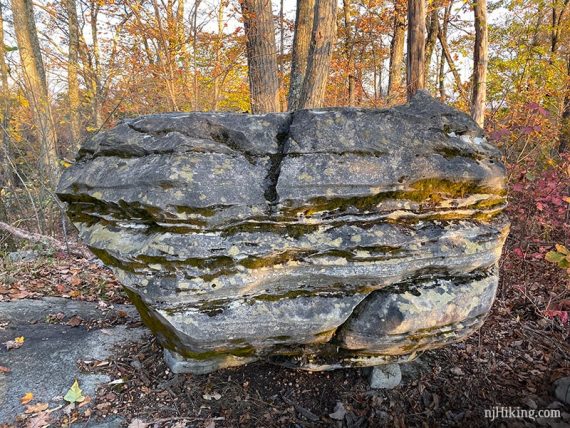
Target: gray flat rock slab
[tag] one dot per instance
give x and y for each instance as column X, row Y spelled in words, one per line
column 28, row 311
column 46, row 364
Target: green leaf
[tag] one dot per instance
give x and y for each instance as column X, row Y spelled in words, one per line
column 554, row 256
column 10, row 48
column 74, row 395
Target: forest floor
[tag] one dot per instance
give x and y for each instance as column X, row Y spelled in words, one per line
column 513, row 361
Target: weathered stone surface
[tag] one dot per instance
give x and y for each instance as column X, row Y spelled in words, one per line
column 321, row 239
column 387, row 376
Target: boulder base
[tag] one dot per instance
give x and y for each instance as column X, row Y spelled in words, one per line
column 319, row 239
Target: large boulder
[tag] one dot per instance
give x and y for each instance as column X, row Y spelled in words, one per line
column 320, row 239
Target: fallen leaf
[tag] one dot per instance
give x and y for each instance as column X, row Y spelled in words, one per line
column 215, row 396
column 36, row 408
column 210, row 424
column 28, row 396
column 4, row 369
column 74, row 395
column 75, row 321
column 85, row 402
column 39, row 421
column 75, row 281
column 137, row 423
column 14, row 344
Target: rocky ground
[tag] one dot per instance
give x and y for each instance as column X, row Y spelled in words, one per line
column 85, row 332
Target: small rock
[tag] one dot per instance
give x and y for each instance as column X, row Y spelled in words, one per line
column 562, row 391
column 530, row 403
column 386, row 376
column 457, row 371
column 23, row 256
column 339, row 412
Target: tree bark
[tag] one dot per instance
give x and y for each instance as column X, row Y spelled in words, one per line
column 480, row 60
column 5, row 153
column 301, row 42
column 281, row 55
column 556, row 29
column 442, row 35
column 261, row 55
column 415, row 64
column 349, row 52
column 219, row 46
column 320, row 52
column 431, row 39
column 195, row 82
column 447, row 54
column 36, row 85
column 72, row 74
column 96, row 87
column 397, row 50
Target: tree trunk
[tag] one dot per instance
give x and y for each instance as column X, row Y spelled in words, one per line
column 72, row 78
column 447, row 54
column 480, row 60
column 397, row 50
column 36, row 85
column 5, row 153
column 301, row 42
column 442, row 35
column 556, row 28
column 219, row 46
column 195, row 53
column 349, row 52
column 282, row 106
column 320, row 52
column 96, row 87
column 415, row 65
column 431, row 39
column 261, row 55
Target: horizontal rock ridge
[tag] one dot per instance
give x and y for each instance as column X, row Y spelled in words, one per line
column 319, row 238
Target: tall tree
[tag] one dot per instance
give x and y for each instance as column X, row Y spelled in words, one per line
column 397, row 49
column 72, row 73
column 442, row 36
column 6, row 173
column 558, row 13
column 446, row 53
column 95, row 66
column 349, row 52
column 36, row 84
column 219, row 45
column 415, row 64
column 318, row 65
column 300, row 55
column 480, row 60
column 431, row 39
column 261, row 55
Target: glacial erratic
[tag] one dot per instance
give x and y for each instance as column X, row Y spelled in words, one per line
column 320, row 239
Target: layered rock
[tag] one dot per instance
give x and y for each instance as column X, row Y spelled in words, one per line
column 320, row 238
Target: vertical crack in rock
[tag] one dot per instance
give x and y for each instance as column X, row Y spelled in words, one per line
column 275, row 161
